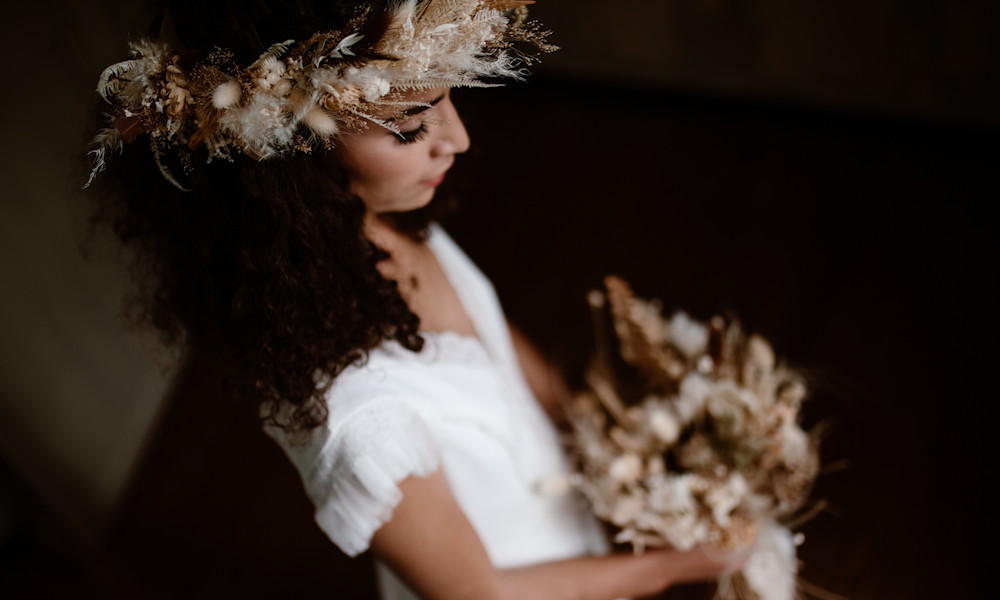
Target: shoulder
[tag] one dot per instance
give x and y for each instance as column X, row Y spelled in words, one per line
column 351, row 466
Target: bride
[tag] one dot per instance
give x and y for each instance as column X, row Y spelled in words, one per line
column 278, row 160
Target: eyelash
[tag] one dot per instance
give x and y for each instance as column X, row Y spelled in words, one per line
column 409, row 137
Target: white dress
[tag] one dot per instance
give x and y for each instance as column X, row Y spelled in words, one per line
column 460, row 405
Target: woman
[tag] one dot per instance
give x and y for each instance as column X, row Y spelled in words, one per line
column 279, row 159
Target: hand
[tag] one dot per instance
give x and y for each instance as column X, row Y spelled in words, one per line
column 701, row 563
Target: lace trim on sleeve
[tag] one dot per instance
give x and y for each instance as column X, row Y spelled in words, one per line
column 356, row 483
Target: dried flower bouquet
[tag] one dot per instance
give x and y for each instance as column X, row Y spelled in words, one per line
column 688, row 435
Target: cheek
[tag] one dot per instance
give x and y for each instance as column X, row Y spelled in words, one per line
column 378, row 164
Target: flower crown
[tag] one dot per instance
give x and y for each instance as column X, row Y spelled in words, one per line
column 300, row 95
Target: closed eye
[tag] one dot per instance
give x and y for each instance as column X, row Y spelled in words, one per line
column 413, row 135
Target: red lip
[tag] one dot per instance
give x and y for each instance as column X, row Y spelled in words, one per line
column 436, row 181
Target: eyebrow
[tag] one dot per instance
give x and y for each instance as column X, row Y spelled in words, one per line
column 416, row 110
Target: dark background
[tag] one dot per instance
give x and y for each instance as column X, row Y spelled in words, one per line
column 825, row 171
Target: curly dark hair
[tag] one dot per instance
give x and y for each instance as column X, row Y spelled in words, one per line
column 263, row 262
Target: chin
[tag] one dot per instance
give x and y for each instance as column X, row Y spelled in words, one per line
column 401, row 207
column 388, row 202
column 416, row 204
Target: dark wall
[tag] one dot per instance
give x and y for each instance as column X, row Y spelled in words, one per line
column 919, row 58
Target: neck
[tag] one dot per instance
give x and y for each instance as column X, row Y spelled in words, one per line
column 384, row 233
column 422, row 282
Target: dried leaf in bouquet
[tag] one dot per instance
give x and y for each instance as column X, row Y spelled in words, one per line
column 688, row 434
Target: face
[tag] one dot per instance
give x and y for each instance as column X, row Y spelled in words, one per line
column 396, row 173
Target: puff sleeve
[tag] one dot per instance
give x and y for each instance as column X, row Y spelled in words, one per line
column 351, row 468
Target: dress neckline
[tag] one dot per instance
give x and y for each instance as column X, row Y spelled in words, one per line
column 474, row 294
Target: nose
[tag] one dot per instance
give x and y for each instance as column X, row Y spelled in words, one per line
column 452, row 136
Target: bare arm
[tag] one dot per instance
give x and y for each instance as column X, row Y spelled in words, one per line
column 431, row 545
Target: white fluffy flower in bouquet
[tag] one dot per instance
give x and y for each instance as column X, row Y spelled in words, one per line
column 689, row 434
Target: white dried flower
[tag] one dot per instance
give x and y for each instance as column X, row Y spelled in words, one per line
column 690, row 336
column 759, row 353
column 675, row 510
column 725, row 496
column 595, row 299
column 671, row 494
column 686, row 531
column 771, row 569
column 695, row 389
column 759, row 362
column 374, row 87
column 664, row 425
column 627, row 468
column 282, row 88
column 626, row 509
column 727, row 409
column 271, row 72
column 794, row 443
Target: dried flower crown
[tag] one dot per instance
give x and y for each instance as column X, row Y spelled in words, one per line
column 300, row 95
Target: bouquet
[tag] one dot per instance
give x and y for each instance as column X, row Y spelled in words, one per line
column 689, row 434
